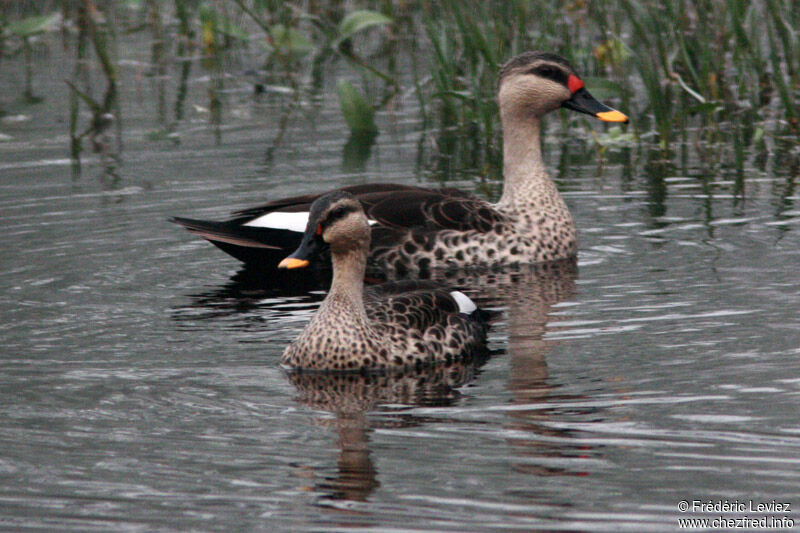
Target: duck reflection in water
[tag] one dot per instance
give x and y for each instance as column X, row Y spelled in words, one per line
column 350, row 398
column 543, row 449
column 528, row 297
column 527, row 293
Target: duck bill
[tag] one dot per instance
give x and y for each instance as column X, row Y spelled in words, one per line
column 583, row 102
column 301, row 257
column 291, row 263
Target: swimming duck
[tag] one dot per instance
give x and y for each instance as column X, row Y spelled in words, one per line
column 415, row 229
column 407, row 324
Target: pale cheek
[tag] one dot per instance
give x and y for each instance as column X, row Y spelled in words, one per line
column 526, row 97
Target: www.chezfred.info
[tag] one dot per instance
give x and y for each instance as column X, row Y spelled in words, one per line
column 736, row 514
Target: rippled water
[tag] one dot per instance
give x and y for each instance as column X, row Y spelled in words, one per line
column 140, row 379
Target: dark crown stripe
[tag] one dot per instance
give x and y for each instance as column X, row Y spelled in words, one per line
column 537, row 60
column 551, row 72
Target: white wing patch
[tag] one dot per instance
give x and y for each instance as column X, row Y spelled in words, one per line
column 282, row 220
column 465, row 305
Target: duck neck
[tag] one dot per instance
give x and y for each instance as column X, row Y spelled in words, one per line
column 346, row 295
column 526, row 181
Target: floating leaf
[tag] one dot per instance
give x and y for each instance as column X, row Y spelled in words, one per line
column 208, row 27
column 213, row 24
column 358, row 114
column 358, row 20
column 229, row 28
column 31, row 26
column 288, row 41
column 612, row 52
column 614, row 138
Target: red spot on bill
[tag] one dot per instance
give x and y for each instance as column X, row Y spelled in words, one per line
column 574, row 83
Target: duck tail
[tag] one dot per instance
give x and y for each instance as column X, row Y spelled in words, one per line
column 260, row 246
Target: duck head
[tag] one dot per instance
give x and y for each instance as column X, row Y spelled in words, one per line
column 535, row 83
column 336, row 219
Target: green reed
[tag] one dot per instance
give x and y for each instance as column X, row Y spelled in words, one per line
column 717, row 77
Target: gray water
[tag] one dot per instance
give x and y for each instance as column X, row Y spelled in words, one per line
column 139, row 374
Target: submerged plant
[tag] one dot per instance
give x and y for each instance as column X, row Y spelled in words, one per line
column 715, row 90
column 105, row 112
column 358, row 114
column 25, row 29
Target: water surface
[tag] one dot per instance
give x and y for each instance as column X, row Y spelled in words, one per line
column 139, row 371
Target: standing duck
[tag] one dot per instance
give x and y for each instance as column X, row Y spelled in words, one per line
column 407, row 324
column 416, row 229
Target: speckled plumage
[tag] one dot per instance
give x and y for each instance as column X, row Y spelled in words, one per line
column 415, row 230
column 514, row 237
column 413, row 329
column 391, row 326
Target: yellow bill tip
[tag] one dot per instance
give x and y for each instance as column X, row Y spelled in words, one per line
column 612, row 116
column 293, row 262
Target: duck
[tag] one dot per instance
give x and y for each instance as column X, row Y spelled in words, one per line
column 408, row 324
column 416, row 229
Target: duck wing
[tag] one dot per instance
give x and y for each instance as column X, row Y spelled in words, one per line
column 408, row 312
column 425, row 300
column 429, row 321
column 398, row 207
column 432, row 210
column 303, row 203
column 264, row 234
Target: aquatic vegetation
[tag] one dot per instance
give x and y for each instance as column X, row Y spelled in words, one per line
column 25, row 29
column 93, row 28
column 716, row 89
column 358, row 114
column 357, row 21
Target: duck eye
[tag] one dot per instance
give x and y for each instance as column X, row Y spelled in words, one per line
column 545, row 71
column 337, row 213
column 551, row 73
